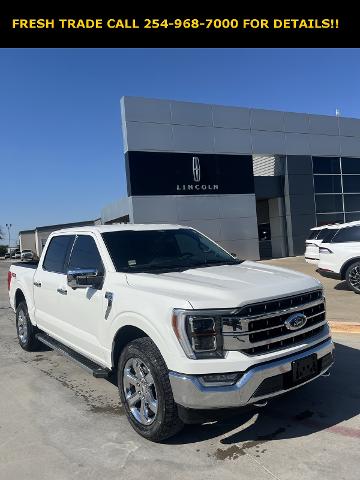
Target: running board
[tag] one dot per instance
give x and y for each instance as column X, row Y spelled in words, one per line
column 92, row 367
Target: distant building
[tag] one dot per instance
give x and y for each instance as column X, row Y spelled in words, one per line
column 35, row 239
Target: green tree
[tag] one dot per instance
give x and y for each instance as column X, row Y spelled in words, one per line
column 3, row 250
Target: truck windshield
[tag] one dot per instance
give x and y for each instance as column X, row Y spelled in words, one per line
column 163, row 250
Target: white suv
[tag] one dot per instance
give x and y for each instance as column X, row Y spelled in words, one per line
column 316, row 236
column 340, row 254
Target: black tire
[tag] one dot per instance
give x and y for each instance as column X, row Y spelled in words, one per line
column 353, row 277
column 25, row 330
column 166, row 422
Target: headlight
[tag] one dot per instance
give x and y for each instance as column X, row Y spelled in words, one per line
column 199, row 333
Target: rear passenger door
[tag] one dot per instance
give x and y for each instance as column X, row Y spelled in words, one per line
column 82, row 314
column 50, row 274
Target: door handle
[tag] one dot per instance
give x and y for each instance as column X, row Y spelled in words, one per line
column 62, row 291
column 37, row 284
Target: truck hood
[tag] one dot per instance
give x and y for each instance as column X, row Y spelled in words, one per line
column 225, row 286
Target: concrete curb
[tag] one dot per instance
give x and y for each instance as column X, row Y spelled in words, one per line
column 344, row 327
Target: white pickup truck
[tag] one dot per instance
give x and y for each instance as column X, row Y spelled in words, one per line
column 184, row 325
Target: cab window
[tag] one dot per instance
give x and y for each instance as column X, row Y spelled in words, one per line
column 57, row 253
column 85, row 255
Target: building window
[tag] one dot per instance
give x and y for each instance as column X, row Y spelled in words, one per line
column 328, row 203
column 352, row 203
column 337, row 189
column 329, row 218
column 327, row 183
column 351, row 183
column 352, row 217
column 326, row 165
column 350, row 165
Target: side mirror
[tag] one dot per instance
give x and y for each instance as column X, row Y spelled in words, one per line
column 233, row 255
column 84, row 278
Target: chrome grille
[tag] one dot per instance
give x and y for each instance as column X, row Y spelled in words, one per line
column 260, row 328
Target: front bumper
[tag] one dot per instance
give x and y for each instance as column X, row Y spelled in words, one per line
column 252, row 387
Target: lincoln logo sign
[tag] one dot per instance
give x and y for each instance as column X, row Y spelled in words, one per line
column 196, row 170
column 295, row 321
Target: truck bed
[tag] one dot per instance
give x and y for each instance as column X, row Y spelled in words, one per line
column 22, row 278
column 32, row 265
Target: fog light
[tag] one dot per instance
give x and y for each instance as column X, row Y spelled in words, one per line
column 220, row 379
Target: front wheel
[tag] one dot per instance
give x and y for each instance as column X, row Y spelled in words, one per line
column 25, row 329
column 353, row 277
column 145, row 391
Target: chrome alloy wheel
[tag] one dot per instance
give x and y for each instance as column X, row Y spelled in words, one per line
column 354, row 277
column 22, row 327
column 140, row 391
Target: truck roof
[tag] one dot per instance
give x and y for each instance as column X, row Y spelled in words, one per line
column 118, row 227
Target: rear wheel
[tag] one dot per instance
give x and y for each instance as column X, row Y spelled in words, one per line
column 25, row 330
column 353, row 277
column 145, row 391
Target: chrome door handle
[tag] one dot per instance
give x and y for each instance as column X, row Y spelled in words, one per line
column 37, row 284
column 62, row 291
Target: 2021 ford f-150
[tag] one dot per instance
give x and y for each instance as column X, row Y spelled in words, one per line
column 183, row 324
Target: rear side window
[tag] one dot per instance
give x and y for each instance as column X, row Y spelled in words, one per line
column 322, row 234
column 85, row 254
column 330, row 235
column 57, row 253
column 348, row 234
column 313, row 234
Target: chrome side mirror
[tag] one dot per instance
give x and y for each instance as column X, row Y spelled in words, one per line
column 84, row 278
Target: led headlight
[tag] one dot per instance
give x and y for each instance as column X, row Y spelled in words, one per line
column 199, row 333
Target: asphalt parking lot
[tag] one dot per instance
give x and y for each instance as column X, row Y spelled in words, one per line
column 342, row 304
column 58, row 422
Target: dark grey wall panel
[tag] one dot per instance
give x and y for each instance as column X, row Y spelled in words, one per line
column 138, row 109
column 185, row 113
column 301, row 225
column 299, row 164
column 231, row 117
column 324, row 124
column 299, row 185
column 300, row 204
column 296, row 122
column 349, row 127
column 267, row 120
column 298, row 245
column 269, row 187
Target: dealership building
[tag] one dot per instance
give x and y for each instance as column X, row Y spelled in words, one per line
column 253, row 180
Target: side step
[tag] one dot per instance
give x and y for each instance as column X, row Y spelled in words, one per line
column 89, row 365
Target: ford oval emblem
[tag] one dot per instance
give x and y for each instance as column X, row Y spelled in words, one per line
column 295, row 321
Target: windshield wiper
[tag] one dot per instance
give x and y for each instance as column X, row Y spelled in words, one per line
column 157, row 268
column 163, row 268
column 220, row 262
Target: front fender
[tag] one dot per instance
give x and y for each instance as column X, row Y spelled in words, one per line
column 164, row 337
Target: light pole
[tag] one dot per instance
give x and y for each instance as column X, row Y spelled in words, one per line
column 8, row 226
